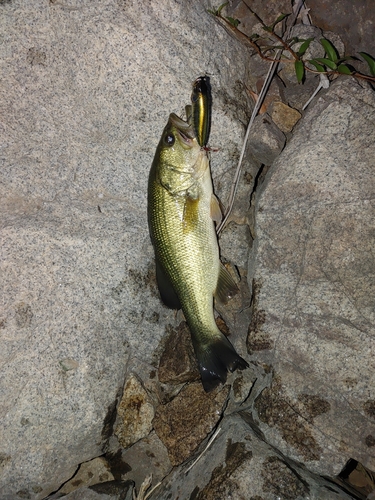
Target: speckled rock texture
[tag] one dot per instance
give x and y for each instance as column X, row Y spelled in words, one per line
column 185, row 422
column 312, row 275
column 87, row 87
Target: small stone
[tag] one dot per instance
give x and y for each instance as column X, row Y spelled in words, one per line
column 183, row 423
column 68, row 364
column 284, row 116
column 135, row 413
column 266, row 141
column 178, row 363
column 147, row 456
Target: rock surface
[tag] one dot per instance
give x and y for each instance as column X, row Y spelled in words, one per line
column 135, row 413
column 342, row 20
column 240, row 465
column 313, row 284
column 86, row 91
column 185, row 422
column 93, row 472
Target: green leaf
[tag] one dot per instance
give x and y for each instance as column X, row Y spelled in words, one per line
column 293, row 40
column 330, row 49
column 221, row 7
column 278, row 20
column 327, row 62
column 233, row 22
column 318, row 66
column 304, row 46
column 267, row 28
column 216, row 12
column 300, row 70
column 344, row 69
column 347, row 58
column 370, row 61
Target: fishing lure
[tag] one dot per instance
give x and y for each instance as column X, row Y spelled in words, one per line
column 201, row 109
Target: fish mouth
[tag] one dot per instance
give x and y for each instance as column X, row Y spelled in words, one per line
column 185, row 131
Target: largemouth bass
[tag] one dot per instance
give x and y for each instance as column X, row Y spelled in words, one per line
column 201, row 109
column 181, row 213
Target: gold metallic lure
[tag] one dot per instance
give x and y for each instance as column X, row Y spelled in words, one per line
column 201, row 109
column 181, row 213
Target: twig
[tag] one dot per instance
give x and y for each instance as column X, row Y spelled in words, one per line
column 257, row 106
column 142, row 495
column 214, row 436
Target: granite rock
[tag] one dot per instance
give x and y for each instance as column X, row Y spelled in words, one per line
column 135, row 413
column 312, row 272
column 266, row 140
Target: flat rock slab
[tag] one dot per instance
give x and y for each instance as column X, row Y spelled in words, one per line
column 314, row 289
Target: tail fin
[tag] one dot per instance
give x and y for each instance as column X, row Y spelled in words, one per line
column 215, row 359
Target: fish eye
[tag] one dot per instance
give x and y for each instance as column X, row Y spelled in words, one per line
column 169, row 139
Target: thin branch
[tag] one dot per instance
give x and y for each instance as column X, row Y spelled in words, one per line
column 214, row 436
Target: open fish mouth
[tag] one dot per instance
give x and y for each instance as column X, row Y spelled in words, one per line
column 185, row 131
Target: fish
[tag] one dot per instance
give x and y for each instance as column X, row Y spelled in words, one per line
column 201, row 101
column 182, row 210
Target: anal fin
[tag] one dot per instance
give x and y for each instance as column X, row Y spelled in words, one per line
column 166, row 290
column 226, row 286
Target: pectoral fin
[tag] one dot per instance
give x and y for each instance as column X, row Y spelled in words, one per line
column 190, row 213
column 167, row 293
column 215, row 210
column 226, row 287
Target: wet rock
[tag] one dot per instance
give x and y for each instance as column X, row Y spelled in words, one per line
column 266, row 141
column 296, row 96
column 267, row 11
column 110, row 490
column 178, row 363
column 184, row 423
column 284, row 116
column 343, row 18
column 147, row 456
column 118, row 490
column 314, row 295
column 239, row 464
column 135, row 413
column 92, row 472
column 86, row 93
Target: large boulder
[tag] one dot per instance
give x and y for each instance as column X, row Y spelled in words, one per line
column 87, row 87
column 312, row 274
